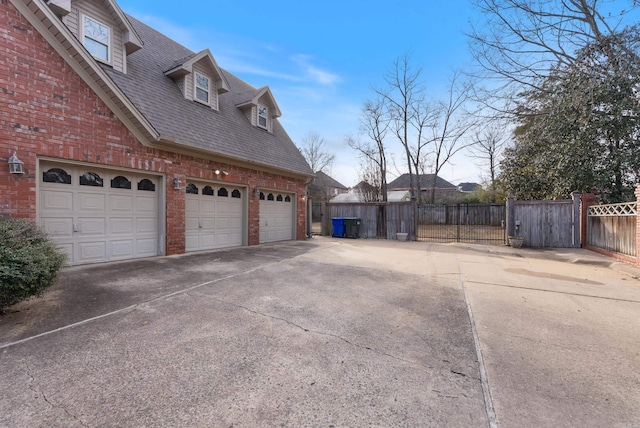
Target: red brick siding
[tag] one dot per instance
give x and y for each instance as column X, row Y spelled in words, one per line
column 47, row 110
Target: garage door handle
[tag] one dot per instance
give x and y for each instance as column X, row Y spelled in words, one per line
column 76, row 228
column 199, row 225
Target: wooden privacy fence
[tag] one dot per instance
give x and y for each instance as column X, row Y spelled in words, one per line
column 612, row 227
column 378, row 219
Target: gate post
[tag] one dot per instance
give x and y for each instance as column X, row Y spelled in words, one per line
column 637, row 225
column 575, row 220
column 511, row 226
column 587, row 200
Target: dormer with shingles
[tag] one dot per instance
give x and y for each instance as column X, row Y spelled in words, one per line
column 102, row 27
column 199, row 78
column 260, row 108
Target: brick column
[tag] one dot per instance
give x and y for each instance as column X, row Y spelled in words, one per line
column 637, row 226
column 586, row 200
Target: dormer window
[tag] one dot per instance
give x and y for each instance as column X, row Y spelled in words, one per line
column 201, row 89
column 262, row 116
column 96, row 38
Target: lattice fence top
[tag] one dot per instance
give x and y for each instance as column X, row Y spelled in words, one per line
column 613, row 210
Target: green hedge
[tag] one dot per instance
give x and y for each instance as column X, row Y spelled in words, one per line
column 29, row 261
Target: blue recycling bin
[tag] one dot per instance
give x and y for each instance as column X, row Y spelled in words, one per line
column 337, row 224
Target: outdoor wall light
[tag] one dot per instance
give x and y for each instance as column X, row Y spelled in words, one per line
column 177, row 184
column 16, row 166
column 256, row 191
column 218, row 172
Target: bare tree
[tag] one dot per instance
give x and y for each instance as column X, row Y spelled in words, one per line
column 487, row 147
column 374, row 124
column 450, row 127
column 368, row 189
column 315, row 152
column 404, row 96
column 522, row 42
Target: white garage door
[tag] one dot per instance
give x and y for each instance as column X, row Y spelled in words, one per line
column 214, row 216
column 99, row 215
column 276, row 217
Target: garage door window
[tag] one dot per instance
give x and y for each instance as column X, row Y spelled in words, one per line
column 236, row 194
column 261, row 196
column 287, row 198
column 207, row 190
column 91, row 179
column 223, row 192
column 270, row 197
column 120, row 182
column 56, row 175
column 147, row 185
column 191, row 189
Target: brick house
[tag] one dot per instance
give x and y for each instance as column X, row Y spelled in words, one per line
column 443, row 191
column 134, row 146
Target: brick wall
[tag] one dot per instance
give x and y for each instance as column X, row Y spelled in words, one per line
column 47, row 110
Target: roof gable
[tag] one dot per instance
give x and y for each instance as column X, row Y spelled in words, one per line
column 185, row 66
column 426, row 182
column 325, row 180
column 260, row 96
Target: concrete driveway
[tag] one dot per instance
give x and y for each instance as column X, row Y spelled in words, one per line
column 342, row 333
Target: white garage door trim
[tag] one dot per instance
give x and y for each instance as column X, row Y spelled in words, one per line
column 277, row 216
column 97, row 214
column 214, row 215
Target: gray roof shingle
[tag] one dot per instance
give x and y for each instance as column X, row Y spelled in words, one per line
column 426, row 180
column 226, row 132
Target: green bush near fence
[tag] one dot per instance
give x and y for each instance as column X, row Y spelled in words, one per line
column 29, row 261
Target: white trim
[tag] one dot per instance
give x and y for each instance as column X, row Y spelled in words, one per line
column 196, row 87
column 109, row 59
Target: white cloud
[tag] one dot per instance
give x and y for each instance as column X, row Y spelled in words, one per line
column 317, row 75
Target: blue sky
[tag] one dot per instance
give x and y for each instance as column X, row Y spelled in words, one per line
column 321, row 59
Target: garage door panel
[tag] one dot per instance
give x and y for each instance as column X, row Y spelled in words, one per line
column 192, row 242
column 121, row 225
column 207, row 241
column 121, row 204
column 147, row 247
column 92, row 251
column 57, row 227
column 122, row 249
column 207, row 223
column 96, row 226
column 91, row 202
column 146, row 204
column 207, row 205
column 192, row 223
column 192, row 205
column 58, row 201
column 146, row 225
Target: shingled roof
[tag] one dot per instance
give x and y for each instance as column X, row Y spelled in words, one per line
column 225, row 132
column 426, row 180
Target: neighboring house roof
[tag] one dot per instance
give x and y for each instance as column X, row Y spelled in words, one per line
column 426, row 180
column 469, row 187
column 355, row 196
column 324, row 180
column 151, row 104
column 225, row 131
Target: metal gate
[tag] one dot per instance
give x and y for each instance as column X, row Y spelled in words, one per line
column 471, row 223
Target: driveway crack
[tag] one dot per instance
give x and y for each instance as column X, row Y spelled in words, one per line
column 321, row 333
column 39, row 392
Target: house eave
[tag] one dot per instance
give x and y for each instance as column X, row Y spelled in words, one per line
column 46, row 22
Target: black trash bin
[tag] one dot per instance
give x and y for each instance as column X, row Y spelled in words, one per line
column 352, row 227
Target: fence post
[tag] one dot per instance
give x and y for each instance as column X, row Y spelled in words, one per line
column 511, row 214
column 575, row 220
column 587, row 200
column 638, row 225
column 324, row 219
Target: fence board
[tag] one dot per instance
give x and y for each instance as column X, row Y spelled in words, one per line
column 613, row 233
column 545, row 224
